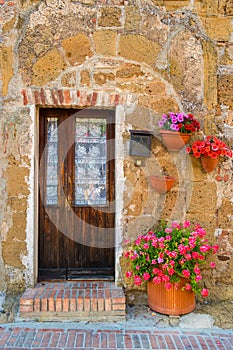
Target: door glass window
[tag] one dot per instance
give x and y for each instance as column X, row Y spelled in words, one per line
column 90, row 162
column 52, row 162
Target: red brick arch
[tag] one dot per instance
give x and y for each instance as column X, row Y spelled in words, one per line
column 66, row 98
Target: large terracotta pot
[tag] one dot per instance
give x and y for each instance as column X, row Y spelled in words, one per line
column 170, row 302
column 174, row 140
column 161, row 183
column 208, row 163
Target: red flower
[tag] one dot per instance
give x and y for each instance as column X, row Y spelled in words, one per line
column 211, row 146
column 137, row 280
column 128, row 274
column 146, row 276
column 157, row 280
column 198, row 278
column 188, row 286
column 186, row 273
column 204, row 292
column 168, row 285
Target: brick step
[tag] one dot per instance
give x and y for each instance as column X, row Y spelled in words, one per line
column 73, row 301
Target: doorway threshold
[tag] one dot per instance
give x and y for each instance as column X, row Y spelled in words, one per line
column 73, row 301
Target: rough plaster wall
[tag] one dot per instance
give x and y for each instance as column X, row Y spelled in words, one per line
column 157, row 56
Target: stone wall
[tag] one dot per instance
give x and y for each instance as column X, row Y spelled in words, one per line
column 145, row 58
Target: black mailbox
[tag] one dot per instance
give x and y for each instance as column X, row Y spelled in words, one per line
column 140, row 143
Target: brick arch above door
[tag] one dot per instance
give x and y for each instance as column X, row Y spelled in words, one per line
column 66, row 98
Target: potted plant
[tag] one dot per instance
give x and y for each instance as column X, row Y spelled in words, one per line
column 169, row 258
column 161, row 183
column 209, row 150
column 176, row 129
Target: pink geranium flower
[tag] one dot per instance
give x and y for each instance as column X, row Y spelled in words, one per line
column 184, row 123
column 168, row 253
column 186, row 273
column 146, row 276
column 204, row 292
column 198, row 278
column 197, row 270
column 188, row 286
column 186, row 224
column 137, row 280
column 168, row 285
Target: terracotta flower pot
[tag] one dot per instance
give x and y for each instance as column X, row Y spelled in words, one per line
column 174, row 140
column 170, row 302
column 161, row 184
column 208, row 163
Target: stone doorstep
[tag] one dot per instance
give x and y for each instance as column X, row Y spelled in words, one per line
column 75, row 301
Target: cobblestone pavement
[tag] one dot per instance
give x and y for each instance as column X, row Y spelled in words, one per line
column 34, row 335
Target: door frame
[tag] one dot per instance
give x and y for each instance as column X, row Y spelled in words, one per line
column 60, row 255
column 33, row 200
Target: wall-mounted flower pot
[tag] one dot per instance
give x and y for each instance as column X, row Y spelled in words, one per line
column 170, row 302
column 208, row 163
column 161, row 183
column 174, row 140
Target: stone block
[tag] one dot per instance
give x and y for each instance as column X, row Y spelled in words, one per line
column 160, row 105
column 129, row 71
column 186, row 69
column 138, row 48
column 109, row 17
column 69, row 79
column 207, row 7
column 132, row 18
column 225, row 214
column 173, row 206
column 102, row 77
column 12, row 252
column 139, row 118
column 6, row 67
column 105, row 42
column 225, row 89
column 47, row 68
column 194, row 320
column 77, row 48
column 171, row 4
column 85, row 78
column 225, row 7
column 158, row 31
column 210, row 78
column 218, row 28
column 200, row 197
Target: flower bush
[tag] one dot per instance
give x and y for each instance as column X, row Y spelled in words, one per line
column 169, row 253
column 184, row 123
column 211, row 147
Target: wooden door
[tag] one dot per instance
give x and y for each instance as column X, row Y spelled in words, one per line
column 77, row 197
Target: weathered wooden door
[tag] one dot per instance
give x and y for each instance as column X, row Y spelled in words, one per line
column 76, row 194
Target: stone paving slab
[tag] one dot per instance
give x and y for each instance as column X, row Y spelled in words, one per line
column 116, row 336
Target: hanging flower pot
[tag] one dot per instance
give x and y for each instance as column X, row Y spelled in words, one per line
column 161, row 183
column 174, row 140
column 208, row 163
column 174, row 301
column 209, row 150
column 176, row 129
